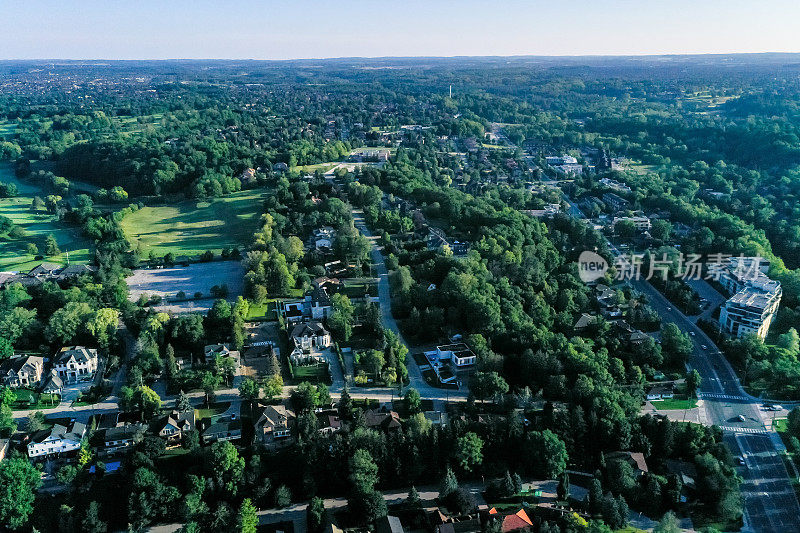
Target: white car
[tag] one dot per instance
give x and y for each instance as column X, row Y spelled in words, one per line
column 692, row 333
column 741, row 418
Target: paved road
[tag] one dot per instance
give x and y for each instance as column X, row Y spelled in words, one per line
column 389, row 322
column 770, row 501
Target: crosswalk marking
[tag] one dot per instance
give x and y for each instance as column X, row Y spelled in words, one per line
column 718, row 396
column 752, row 431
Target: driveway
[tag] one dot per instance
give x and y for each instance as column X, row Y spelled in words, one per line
column 389, row 322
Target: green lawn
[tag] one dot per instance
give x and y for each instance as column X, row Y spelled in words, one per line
column 674, row 404
column 28, row 399
column 37, row 226
column 780, row 425
column 215, row 409
column 314, row 373
column 265, row 311
column 194, row 226
column 7, row 128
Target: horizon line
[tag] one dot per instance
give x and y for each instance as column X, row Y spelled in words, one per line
column 384, row 57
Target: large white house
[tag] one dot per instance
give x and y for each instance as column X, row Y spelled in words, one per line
column 57, row 439
column 459, row 354
column 75, row 363
column 310, row 335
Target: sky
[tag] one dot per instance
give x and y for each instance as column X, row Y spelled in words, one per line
column 294, row 29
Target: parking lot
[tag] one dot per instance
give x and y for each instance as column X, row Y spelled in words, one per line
column 195, row 278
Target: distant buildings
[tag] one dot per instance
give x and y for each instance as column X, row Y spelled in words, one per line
column 642, row 223
column 615, row 202
column 755, row 297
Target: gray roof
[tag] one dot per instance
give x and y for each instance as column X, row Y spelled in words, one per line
column 75, row 432
column 81, row 354
column 309, row 329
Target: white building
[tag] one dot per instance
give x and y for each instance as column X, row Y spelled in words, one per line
column 58, row 439
column 642, row 223
column 310, row 335
column 75, row 363
column 755, row 297
column 750, row 310
column 459, row 354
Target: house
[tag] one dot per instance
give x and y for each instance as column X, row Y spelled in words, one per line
column 212, row 351
column 635, row 459
column 280, row 167
column 224, row 429
column 75, row 363
column 73, row 271
column 53, row 384
column 329, row 422
column 123, row 436
column 44, row 271
column 512, row 522
column 661, row 391
column 386, row 420
column 310, row 335
column 274, row 426
column 615, row 202
column 388, row 524
column 57, row 439
column 23, row 371
column 458, row 353
column 584, row 321
column 173, row 425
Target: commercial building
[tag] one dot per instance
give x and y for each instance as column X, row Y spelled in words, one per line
column 755, row 297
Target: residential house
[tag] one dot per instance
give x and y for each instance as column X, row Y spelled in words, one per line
column 661, row 391
column 57, row 439
column 212, row 351
column 274, row 426
column 635, row 459
column 53, row 384
column 458, row 353
column 23, row 371
column 584, row 321
column 329, row 422
column 122, row 437
column 173, row 425
column 385, row 420
column 513, row 521
column 76, row 363
column 224, row 429
column 388, row 524
column 310, row 335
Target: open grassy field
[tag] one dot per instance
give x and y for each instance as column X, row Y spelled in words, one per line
column 38, row 226
column 192, row 227
column 7, row 128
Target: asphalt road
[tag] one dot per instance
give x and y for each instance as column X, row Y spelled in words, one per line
column 770, row 503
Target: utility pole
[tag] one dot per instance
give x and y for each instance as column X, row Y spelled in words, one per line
column 451, row 91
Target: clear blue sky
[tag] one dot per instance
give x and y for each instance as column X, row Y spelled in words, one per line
column 288, row 29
